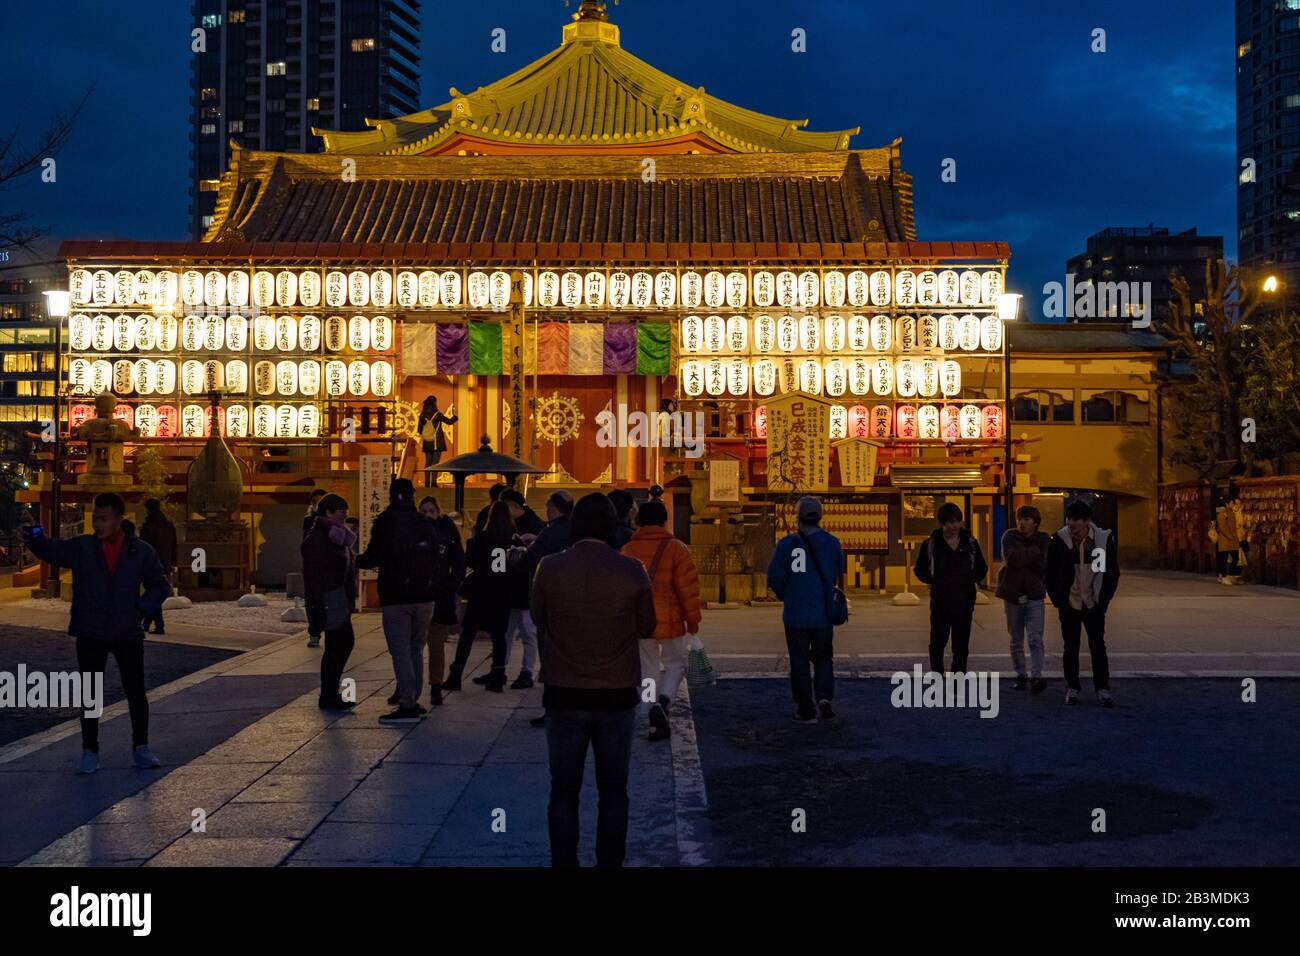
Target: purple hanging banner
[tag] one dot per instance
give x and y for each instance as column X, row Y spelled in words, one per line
column 620, row 348
column 453, row 349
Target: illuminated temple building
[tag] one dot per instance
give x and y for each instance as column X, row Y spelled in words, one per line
column 585, row 235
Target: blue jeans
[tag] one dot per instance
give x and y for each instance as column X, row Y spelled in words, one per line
column 1022, row 618
column 568, row 732
column 815, row 646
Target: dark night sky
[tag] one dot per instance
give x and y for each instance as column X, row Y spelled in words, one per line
column 1052, row 141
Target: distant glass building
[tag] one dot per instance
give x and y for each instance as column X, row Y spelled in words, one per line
column 1268, row 138
column 1125, row 254
column 274, row 69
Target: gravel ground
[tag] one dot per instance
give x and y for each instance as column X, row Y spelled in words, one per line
column 46, row 650
column 225, row 614
column 1187, row 774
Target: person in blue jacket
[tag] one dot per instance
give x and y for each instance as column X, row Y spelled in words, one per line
column 804, row 568
column 117, row 582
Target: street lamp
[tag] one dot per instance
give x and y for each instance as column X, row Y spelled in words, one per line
column 1008, row 311
column 56, row 307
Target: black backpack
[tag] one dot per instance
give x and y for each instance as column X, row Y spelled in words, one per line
column 417, row 553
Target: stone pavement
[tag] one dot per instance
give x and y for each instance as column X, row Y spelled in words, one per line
column 281, row 783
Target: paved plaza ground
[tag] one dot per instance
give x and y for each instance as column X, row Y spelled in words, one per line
column 1186, row 772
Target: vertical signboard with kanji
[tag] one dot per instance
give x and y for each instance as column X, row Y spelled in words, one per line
column 376, row 474
column 857, row 458
column 798, row 443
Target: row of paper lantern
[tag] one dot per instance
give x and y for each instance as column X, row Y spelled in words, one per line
column 195, row 421
column 736, row 334
column 946, row 422
column 905, row 377
column 285, row 333
column 158, row 377
column 408, row 289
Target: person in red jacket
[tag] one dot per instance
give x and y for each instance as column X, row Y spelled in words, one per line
column 676, row 586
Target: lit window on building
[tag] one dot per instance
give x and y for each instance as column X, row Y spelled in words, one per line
column 1115, row 407
column 1243, row 49
column 362, row 44
column 235, row 126
column 208, row 93
column 207, row 221
column 1292, row 101
column 236, row 16
column 275, row 69
column 313, row 103
column 1043, row 407
column 209, row 185
column 208, row 129
column 212, row 19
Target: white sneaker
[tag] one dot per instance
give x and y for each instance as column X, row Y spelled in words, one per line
column 1071, row 695
column 1105, row 698
column 144, row 759
column 88, row 763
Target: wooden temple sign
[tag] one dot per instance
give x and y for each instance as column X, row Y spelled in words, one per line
column 857, row 460
column 798, row 443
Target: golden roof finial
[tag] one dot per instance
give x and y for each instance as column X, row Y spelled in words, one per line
column 591, row 10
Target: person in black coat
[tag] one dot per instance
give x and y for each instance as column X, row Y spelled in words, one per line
column 160, row 534
column 446, row 602
column 329, row 579
column 432, row 439
column 625, row 507
column 525, row 518
column 952, row 563
column 494, row 493
column 487, row 597
column 117, row 582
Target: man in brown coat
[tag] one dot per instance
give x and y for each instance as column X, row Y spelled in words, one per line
column 593, row 606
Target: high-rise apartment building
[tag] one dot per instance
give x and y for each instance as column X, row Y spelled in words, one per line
column 271, row 70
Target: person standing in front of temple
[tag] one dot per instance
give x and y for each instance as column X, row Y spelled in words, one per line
column 1082, row 577
column 952, row 563
column 160, row 534
column 330, row 581
column 1021, row 587
column 432, row 439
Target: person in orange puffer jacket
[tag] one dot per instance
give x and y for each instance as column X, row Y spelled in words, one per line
column 676, row 588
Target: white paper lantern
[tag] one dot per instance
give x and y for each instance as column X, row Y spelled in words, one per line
column 123, row 288
column 286, row 289
column 143, row 376
column 859, row 333
column 764, row 334
column 859, row 376
column 548, row 289
column 192, row 419
column 764, row 289
column 643, row 290
column 191, row 333
column 263, row 289
column 715, row 377
column 810, row 288
column 833, row 289
column 286, row 421
column 286, row 377
column 408, row 289
column 237, row 376
column 810, row 376
column 264, row 377
column 859, row 288
column 286, row 333
column 839, row 420
column 882, row 377
column 309, row 289
column 928, row 378
column 787, row 374
column 144, row 333
column 236, row 421
column 787, row 333
column 309, row 377
column 428, row 289
column 692, row 331
column 80, row 331
column 214, row 332
column 593, row 289
column 123, row 376
column 715, row 289
column 236, row 333
column 381, row 288
column 79, row 286
column 449, row 291
column 927, row 422
column 905, row 287
column 381, row 333
column 237, row 288
column 787, row 290
column 970, row 421
column 665, row 289
column 308, row 421
column 214, row 288
column 990, row 287
column 949, row 333
column 264, row 333
column 968, row 333
column 358, row 333
column 309, row 329
column 837, row 378
column 737, row 290
column 165, row 333
column 905, row 382
column 528, row 289
column 499, row 291
column 692, row 378
column 737, row 334
column 950, row 378
column 214, row 375
column 336, row 294
column 927, row 333
column 810, row 339
column 715, row 334
column 882, row 333
column 336, row 333
column 101, row 334
column 264, row 421
column 927, row 288
column 882, row 287
column 738, row 376
column 358, row 288
column 949, row 287
column 691, row 290
column 165, row 369
column 381, row 379
column 358, row 377
column 101, row 376
column 123, row 333
column 336, row 378
column 620, row 289
column 991, row 331
column 571, row 290
column 142, row 291
column 476, row 290
column 101, row 287
column 146, row 421
column 192, row 377
column 971, row 287
column 764, row 377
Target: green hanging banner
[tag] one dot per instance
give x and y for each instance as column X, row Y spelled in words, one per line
column 653, row 344
column 484, row 348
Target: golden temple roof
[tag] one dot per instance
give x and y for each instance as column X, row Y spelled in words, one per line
column 589, row 92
